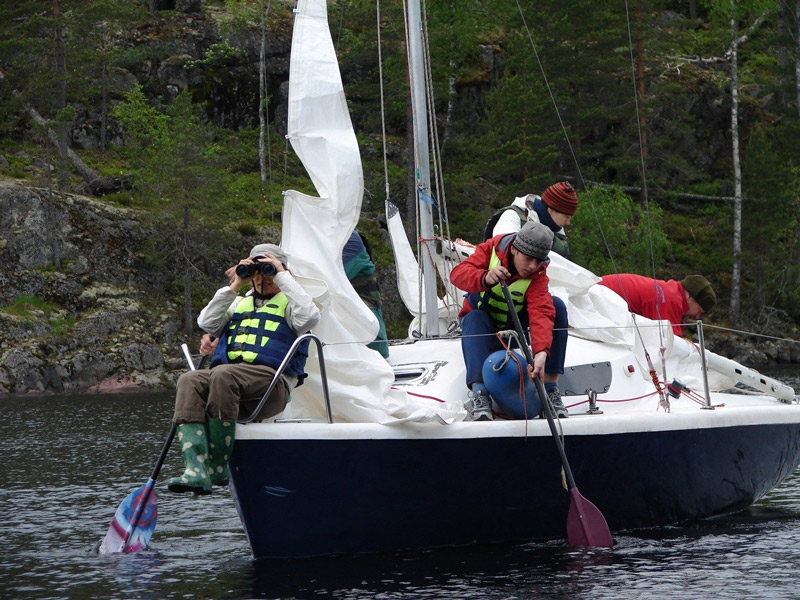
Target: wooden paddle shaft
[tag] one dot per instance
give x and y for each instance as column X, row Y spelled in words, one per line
column 548, row 410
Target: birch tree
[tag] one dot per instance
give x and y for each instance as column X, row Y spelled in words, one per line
column 243, row 16
column 736, row 275
column 732, row 11
column 792, row 11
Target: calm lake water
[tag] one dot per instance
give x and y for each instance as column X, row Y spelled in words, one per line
column 67, row 463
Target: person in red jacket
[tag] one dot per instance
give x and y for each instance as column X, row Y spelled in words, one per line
column 520, row 260
column 664, row 300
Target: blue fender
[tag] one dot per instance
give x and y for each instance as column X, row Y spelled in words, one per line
column 502, row 376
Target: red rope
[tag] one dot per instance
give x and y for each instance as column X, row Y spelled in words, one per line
column 420, row 395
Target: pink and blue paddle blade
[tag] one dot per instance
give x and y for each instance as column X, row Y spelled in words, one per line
column 586, row 525
column 133, row 523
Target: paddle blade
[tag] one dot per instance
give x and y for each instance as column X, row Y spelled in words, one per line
column 133, row 523
column 586, row 525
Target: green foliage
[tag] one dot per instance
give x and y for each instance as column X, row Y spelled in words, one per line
column 24, row 306
column 725, row 9
column 145, row 126
column 61, row 324
column 700, row 239
column 771, row 187
column 218, row 55
column 31, row 308
column 613, row 234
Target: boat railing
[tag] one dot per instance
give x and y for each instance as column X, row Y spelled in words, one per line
column 282, row 367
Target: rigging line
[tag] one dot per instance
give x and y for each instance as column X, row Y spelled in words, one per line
column 441, row 200
column 641, row 142
column 263, row 113
column 383, row 107
column 341, row 24
column 414, row 133
column 566, row 137
column 644, row 185
column 552, row 96
column 431, row 110
column 745, row 333
column 444, row 224
column 572, row 152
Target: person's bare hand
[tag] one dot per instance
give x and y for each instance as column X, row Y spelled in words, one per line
column 495, row 275
column 234, row 281
column 537, row 368
column 208, row 344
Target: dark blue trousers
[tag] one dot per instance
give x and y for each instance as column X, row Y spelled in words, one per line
column 478, row 341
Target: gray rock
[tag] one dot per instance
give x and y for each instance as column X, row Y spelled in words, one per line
column 142, row 357
column 188, row 6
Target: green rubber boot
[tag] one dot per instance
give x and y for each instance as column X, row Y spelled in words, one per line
column 193, row 441
column 221, row 435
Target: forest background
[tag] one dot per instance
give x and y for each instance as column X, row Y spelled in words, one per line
column 678, row 122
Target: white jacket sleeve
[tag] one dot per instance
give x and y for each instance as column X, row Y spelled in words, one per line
column 218, row 311
column 301, row 314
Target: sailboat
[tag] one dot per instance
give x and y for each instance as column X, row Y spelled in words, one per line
column 374, row 455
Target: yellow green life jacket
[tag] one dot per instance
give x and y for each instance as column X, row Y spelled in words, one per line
column 493, row 301
column 260, row 336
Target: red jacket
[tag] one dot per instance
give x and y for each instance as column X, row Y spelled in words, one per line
column 651, row 298
column 469, row 276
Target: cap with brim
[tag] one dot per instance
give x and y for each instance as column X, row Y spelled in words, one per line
column 264, row 249
column 700, row 290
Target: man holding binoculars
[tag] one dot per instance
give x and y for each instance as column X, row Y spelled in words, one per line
column 253, row 334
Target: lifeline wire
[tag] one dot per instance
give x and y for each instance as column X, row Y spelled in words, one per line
column 580, row 174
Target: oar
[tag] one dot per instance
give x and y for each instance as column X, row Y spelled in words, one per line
column 135, row 520
column 586, row 525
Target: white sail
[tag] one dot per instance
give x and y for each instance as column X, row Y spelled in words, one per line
column 314, row 233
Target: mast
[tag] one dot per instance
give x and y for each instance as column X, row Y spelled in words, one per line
column 430, row 326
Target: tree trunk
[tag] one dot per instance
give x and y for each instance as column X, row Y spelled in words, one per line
column 104, row 42
column 187, row 277
column 797, row 54
column 262, row 98
column 451, row 79
column 83, row 169
column 97, row 185
column 737, row 182
column 62, row 129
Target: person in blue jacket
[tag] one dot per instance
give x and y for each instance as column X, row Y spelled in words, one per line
column 360, row 270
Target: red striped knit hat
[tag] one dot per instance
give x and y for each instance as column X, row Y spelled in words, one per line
column 561, row 197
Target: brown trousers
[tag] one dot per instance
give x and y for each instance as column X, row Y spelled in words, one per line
column 219, row 393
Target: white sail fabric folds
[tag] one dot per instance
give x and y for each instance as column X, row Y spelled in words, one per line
column 409, row 281
column 315, row 230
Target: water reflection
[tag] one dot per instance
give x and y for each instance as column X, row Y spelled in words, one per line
column 69, row 461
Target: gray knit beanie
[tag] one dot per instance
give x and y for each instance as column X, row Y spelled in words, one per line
column 534, row 240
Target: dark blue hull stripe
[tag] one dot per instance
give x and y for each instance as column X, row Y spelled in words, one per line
column 316, row 497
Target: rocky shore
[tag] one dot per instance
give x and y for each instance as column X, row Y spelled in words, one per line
column 82, row 309
column 78, row 310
